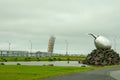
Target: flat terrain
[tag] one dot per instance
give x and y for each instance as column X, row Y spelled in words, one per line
column 99, row 74
column 20, row 72
column 53, row 58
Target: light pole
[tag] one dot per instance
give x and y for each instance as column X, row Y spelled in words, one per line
column 115, row 43
column 66, row 47
column 30, row 47
column 9, row 44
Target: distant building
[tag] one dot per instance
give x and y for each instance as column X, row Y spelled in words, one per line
column 14, row 53
column 51, row 44
column 42, row 54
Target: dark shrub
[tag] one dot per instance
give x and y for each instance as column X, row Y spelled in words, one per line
column 68, row 59
column 18, row 64
column 2, row 64
column 59, row 59
column 38, row 59
column 5, row 60
column 54, row 59
column 26, row 59
column 50, row 59
column 83, row 65
column 15, row 59
column 50, row 64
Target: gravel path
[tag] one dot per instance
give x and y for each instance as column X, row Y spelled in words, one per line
column 101, row 74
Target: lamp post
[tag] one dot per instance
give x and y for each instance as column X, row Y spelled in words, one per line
column 66, row 47
column 67, row 51
column 9, row 44
column 114, row 43
column 30, row 47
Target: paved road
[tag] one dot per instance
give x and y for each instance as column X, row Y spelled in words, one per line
column 101, row 74
column 115, row 74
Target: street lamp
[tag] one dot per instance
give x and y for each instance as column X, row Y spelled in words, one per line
column 30, row 46
column 114, row 43
column 9, row 46
column 66, row 47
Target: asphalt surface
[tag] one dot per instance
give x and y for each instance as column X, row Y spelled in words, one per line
column 115, row 74
column 101, row 74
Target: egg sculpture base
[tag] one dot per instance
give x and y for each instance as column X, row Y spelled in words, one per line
column 102, row 57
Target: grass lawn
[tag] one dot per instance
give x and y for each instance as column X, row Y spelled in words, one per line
column 53, row 58
column 20, row 72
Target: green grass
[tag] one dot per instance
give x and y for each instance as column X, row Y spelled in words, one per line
column 15, row 72
column 53, row 58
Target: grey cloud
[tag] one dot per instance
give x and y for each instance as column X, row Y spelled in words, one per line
column 72, row 20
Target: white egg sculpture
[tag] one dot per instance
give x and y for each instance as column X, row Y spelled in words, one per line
column 101, row 42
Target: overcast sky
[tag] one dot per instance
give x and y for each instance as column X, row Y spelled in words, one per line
column 71, row 20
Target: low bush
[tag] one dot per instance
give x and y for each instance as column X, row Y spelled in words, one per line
column 18, row 64
column 2, row 64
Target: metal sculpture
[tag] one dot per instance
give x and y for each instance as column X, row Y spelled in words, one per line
column 103, row 54
column 101, row 42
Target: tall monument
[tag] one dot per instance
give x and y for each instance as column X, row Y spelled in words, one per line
column 103, row 54
column 51, row 44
